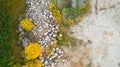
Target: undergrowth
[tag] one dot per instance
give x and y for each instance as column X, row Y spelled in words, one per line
column 63, row 10
column 68, row 16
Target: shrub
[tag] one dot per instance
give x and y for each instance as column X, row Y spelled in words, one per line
column 27, row 24
column 33, row 50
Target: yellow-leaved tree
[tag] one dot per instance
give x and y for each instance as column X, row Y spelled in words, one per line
column 27, row 24
column 33, row 50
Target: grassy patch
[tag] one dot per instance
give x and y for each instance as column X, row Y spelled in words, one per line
column 10, row 53
column 63, row 10
column 68, row 16
column 4, row 36
column 66, row 40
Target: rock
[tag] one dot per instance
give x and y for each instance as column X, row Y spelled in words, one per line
column 74, row 3
column 25, row 42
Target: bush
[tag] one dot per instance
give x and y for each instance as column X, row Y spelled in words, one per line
column 33, row 50
column 27, row 24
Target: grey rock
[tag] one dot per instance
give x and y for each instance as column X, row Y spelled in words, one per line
column 25, row 42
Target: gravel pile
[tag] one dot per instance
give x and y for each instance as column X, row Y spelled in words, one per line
column 45, row 27
column 44, row 32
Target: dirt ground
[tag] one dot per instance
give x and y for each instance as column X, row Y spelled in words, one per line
column 100, row 30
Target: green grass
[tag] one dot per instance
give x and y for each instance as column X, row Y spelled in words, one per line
column 10, row 51
column 4, row 36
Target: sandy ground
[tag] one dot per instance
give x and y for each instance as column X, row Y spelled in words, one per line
column 102, row 28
